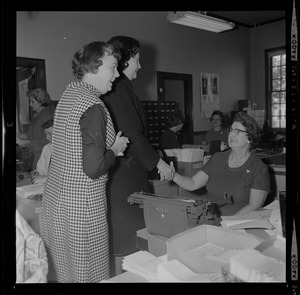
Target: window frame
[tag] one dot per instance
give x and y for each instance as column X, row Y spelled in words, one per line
column 269, row 53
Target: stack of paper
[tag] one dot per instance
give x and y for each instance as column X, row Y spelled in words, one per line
column 30, row 190
column 158, row 269
column 275, row 218
column 142, row 263
column 251, row 220
column 250, row 265
column 175, row 271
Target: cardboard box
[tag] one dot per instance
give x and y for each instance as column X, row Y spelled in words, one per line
column 188, row 160
column 164, row 187
column 179, row 246
column 186, row 155
column 189, row 168
column 141, row 239
column 154, row 244
column 195, row 195
column 157, row 245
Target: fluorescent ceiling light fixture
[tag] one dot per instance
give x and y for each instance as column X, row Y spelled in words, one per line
column 199, row 21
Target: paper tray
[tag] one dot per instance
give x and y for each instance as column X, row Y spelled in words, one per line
column 179, row 246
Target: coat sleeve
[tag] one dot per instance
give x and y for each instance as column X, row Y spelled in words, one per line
column 126, row 118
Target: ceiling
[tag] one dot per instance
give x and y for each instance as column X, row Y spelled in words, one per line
column 249, row 18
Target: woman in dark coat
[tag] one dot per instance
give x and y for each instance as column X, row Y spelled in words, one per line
column 130, row 174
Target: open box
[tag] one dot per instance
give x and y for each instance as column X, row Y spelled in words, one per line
column 188, row 160
column 181, row 246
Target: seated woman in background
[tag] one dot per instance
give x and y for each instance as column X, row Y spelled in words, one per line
column 169, row 139
column 40, row 174
column 43, row 110
column 236, row 173
column 216, row 138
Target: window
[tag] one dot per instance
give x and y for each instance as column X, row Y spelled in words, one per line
column 276, row 88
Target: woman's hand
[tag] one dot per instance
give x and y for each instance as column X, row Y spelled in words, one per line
column 120, row 144
column 166, row 172
column 223, row 146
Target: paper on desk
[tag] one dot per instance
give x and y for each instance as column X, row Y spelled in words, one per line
column 275, row 217
column 143, row 264
column 26, row 191
column 275, row 220
column 273, row 205
column 255, row 219
column 175, row 271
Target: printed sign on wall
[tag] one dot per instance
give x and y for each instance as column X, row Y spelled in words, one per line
column 209, row 90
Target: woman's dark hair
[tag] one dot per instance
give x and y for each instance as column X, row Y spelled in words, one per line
column 40, row 95
column 128, row 47
column 220, row 114
column 88, row 59
column 174, row 119
column 251, row 126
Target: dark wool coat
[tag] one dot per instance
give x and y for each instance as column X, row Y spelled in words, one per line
column 130, row 173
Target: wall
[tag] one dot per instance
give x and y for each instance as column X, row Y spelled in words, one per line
column 56, row 36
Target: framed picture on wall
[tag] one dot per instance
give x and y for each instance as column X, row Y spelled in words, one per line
column 209, row 94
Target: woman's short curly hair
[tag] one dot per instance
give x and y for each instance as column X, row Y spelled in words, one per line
column 174, row 119
column 40, row 95
column 128, row 47
column 88, row 58
column 220, row 114
column 252, row 128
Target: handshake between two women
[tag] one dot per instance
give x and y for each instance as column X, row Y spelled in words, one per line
column 166, row 171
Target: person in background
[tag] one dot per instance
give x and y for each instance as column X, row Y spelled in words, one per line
column 169, row 139
column 84, row 148
column 217, row 135
column 130, row 174
column 236, row 173
column 40, row 174
column 40, row 103
column 31, row 255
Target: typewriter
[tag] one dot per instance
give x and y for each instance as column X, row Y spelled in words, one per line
column 169, row 215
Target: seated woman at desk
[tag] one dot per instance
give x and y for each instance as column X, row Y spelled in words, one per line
column 236, row 173
column 40, row 174
column 169, row 139
column 43, row 110
column 216, row 138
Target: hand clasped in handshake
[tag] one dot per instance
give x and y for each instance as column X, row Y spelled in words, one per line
column 166, row 171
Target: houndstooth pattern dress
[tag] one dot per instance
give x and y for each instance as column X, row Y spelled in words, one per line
column 74, row 208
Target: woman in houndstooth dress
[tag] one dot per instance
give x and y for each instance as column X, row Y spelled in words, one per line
column 74, row 209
